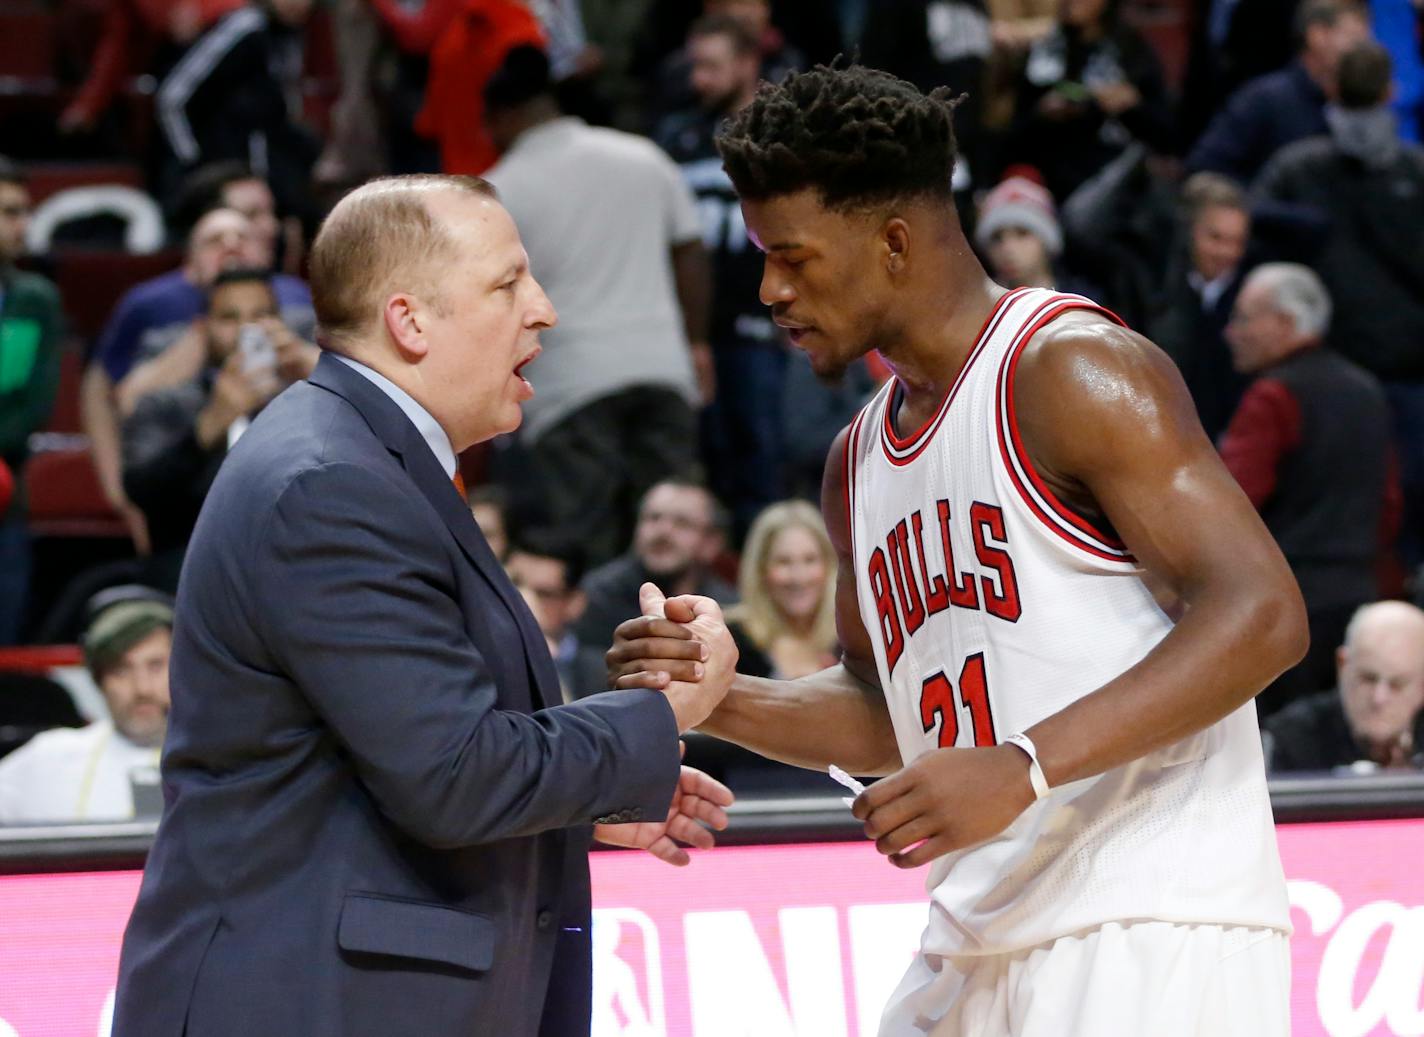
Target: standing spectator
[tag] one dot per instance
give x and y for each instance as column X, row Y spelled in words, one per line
column 1275, row 109
column 934, row 43
column 1189, row 316
column 549, row 580
column 30, row 323
column 237, row 94
column 674, row 546
column 785, row 626
column 467, row 41
column 1362, row 191
column 743, row 428
column 67, row 775
column 1089, row 89
column 151, row 318
column 132, row 28
column 614, row 410
column 1373, row 713
column 673, row 89
column 1018, row 232
column 1309, row 444
column 177, row 437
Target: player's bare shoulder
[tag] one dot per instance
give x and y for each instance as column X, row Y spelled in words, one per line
column 1086, row 387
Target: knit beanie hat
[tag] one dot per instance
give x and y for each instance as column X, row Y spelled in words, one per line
column 118, row 628
column 1019, row 202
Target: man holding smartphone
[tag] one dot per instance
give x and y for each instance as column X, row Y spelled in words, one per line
column 177, row 436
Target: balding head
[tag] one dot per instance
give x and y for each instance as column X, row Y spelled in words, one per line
column 1381, row 673
column 424, row 280
column 382, row 238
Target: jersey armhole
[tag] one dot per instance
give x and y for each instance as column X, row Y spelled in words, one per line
column 1072, row 528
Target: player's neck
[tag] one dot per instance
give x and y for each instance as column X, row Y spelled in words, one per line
column 931, row 348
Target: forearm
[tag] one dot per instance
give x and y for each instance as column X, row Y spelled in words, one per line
column 693, row 275
column 101, row 424
column 1214, row 661
column 828, row 717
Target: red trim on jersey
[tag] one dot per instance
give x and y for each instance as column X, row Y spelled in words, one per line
column 926, row 432
column 852, row 441
column 1093, row 540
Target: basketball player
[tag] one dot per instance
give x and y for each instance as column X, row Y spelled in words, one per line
column 1055, row 606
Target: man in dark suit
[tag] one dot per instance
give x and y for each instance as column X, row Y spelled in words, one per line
column 376, row 810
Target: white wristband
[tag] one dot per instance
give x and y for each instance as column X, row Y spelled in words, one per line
column 1035, row 772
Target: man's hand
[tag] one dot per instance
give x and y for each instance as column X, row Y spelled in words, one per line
column 236, row 394
column 697, row 801
column 946, row 800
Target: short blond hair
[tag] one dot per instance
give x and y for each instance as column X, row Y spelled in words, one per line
column 381, row 238
column 757, row 613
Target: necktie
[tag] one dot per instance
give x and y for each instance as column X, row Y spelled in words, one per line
column 459, row 481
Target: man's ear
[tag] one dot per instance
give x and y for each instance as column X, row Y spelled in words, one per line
column 574, row 606
column 896, row 235
column 406, row 323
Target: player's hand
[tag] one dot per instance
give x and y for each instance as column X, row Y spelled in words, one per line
column 697, row 801
column 693, row 700
column 658, row 647
column 946, row 800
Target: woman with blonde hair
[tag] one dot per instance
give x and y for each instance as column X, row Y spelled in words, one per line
column 787, row 586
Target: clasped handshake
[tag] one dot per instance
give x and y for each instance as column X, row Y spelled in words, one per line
column 679, row 646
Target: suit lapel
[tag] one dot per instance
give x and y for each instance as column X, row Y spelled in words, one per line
column 402, row 438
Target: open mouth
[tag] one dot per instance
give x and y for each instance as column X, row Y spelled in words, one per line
column 519, row 367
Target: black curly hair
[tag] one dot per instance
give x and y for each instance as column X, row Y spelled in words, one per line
column 859, row 136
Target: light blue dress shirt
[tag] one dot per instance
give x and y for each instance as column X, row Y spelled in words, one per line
column 428, row 427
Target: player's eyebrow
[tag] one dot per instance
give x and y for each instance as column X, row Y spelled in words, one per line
column 785, row 246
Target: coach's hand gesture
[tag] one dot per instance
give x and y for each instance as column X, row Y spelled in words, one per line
column 946, row 800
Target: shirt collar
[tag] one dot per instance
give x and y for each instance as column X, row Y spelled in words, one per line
column 427, row 426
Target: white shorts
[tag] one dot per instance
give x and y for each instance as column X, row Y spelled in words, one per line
column 1119, row 980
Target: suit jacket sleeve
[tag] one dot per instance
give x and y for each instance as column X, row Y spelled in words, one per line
column 361, row 611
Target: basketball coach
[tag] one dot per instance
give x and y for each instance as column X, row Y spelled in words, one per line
column 376, row 812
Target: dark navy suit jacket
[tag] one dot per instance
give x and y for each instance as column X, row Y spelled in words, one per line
column 376, row 814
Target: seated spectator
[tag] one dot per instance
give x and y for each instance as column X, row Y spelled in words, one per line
column 30, row 343
column 176, row 437
column 487, row 504
column 1362, row 191
column 72, row 775
column 1088, row 90
column 1374, row 713
column 1189, row 315
column 674, row 545
column 549, row 580
column 1019, row 234
column 1275, row 109
column 236, row 94
column 785, row 626
column 233, row 185
column 620, row 373
column 151, row 318
column 1309, row 443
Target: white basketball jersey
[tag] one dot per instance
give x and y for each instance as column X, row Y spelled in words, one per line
column 992, row 605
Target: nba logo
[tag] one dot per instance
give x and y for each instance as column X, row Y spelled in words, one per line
column 627, row 975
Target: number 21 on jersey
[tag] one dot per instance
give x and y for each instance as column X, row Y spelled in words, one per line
column 938, row 705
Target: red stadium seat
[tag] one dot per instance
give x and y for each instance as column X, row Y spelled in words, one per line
column 65, row 499
column 47, row 179
column 90, row 283
column 27, row 47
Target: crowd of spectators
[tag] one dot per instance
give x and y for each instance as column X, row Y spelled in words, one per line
column 1260, row 219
